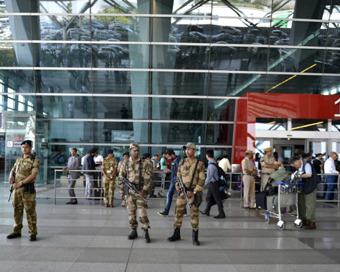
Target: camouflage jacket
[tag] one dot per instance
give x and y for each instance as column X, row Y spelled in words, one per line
column 109, row 166
column 24, row 167
column 186, row 170
column 130, row 171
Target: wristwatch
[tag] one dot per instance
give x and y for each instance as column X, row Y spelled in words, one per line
column 194, row 193
column 21, row 183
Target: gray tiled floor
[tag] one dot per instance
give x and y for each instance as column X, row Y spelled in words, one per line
column 93, row 238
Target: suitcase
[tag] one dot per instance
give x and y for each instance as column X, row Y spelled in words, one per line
column 286, row 200
column 261, row 200
column 321, row 187
column 270, row 203
column 98, row 193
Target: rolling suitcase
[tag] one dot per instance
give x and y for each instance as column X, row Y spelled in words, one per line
column 261, row 200
column 321, row 187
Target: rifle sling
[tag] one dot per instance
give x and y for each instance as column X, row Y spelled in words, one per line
column 193, row 176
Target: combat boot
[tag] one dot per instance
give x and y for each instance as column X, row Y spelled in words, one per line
column 133, row 235
column 304, row 221
column 311, row 225
column 13, row 235
column 195, row 238
column 176, row 236
column 146, row 236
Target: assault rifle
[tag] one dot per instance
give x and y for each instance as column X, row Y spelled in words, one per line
column 183, row 190
column 132, row 187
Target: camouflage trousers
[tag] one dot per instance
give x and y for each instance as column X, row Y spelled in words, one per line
column 109, row 186
column 133, row 202
column 27, row 201
column 179, row 212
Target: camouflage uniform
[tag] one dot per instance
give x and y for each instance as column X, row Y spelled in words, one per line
column 23, row 168
column 109, row 166
column 185, row 171
column 121, row 187
column 130, row 171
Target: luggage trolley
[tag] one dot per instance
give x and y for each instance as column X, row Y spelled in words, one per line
column 287, row 196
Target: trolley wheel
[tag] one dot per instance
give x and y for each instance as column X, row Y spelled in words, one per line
column 282, row 227
column 299, row 226
column 267, row 219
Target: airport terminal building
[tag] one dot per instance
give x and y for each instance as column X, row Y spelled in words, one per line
column 227, row 75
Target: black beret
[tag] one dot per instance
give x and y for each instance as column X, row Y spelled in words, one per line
column 110, row 151
column 28, row 142
column 126, row 153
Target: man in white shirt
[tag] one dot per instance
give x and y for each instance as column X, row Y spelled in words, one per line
column 98, row 159
column 225, row 164
column 331, row 180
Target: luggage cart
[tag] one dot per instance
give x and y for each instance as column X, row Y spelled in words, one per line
column 287, row 196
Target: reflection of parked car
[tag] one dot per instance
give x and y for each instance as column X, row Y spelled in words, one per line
column 120, row 29
column 282, row 42
column 114, row 34
column 103, row 52
column 119, row 48
column 101, row 35
column 273, row 39
column 97, row 25
column 279, row 33
column 222, row 48
column 225, row 37
column 230, row 30
column 201, row 37
column 196, row 28
column 188, row 37
column 90, row 47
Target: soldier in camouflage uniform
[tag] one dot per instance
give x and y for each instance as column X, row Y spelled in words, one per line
column 109, row 169
column 126, row 158
column 186, row 171
column 22, row 178
column 131, row 171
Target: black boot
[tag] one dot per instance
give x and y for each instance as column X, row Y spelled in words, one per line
column 146, row 236
column 133, row 235
column 195, row 238
column 176, row 236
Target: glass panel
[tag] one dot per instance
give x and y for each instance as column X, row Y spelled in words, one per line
column 121, row 132
column 128, row 7
column 120, row 82
column 15, row 28
column 184, row 83
column 75, row 6
column 246, row 8
column 181, row 57
column 271, row 124
column 260, row 145
column 290, row 84
column 64, row 106
column 224, row 57
column 181, row 109
column 296, row 60
column 335, row 126
column 309, row 124
column 15, row 55
column 233, row 84
column 121, row 107
column 10, row 7
column 220, row 134
column 336, row 147
column 221, row 110
column 177, row 133
column 316, row 147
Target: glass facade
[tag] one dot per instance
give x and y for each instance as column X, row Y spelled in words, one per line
column 160, row 72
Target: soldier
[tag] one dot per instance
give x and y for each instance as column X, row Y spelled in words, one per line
column 109, row 169
column 268, row 166
column 138, row 171
column 126, row 158
column 249, row 171
column 196, row 179
column 22, row 178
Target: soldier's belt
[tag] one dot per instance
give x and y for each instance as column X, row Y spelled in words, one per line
column 108, row 172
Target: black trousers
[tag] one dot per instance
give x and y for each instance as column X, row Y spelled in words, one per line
column 214, row 197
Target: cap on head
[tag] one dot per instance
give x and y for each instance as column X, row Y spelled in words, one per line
column 93, row 150
column 248, row 152
column 189, row 145
column 146, row 155
column 268, row 149
column 110, row 151
column 28, row 142
column 134, row 146
column 126, row 153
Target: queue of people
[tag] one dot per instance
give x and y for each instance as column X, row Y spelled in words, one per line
column 188, row 179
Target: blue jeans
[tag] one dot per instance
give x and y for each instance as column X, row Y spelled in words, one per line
column 331, row 187
column 171, row 192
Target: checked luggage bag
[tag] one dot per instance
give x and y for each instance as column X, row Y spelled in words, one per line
column 261, row 200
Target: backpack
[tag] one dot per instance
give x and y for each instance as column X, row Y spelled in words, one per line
column 221, row 174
